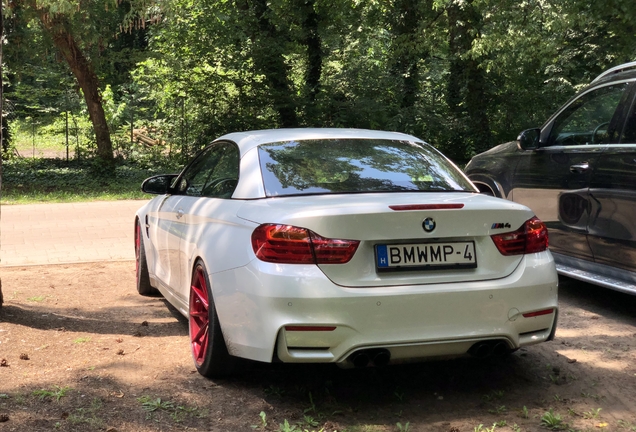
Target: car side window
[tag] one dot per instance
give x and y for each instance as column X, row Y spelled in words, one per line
column 629, row 133
column 590, row 119
column 214, row 173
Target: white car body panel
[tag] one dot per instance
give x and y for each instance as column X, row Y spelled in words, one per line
column 250, row 183
column 255, row 303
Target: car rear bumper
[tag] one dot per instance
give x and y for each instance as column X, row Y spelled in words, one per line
column 258, row 304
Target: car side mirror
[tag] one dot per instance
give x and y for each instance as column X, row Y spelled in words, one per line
column 159, row 184
column 529, row 139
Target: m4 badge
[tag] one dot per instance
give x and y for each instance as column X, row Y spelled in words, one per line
column 500, row 225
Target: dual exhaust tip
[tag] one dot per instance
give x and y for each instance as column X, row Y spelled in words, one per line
column 484, row 349
column 377, row 357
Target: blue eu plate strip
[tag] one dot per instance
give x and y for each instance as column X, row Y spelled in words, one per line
column 382, row 256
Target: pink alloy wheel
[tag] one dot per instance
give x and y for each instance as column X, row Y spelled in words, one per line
column 199, row 316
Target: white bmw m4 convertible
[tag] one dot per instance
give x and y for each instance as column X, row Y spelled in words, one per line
column 343, row 246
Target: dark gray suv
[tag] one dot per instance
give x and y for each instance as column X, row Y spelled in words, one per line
column 578, row 173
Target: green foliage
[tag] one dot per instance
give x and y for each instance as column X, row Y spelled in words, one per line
column 552, row 421
column 88, row 415
column 592, row 414
column 263, row 424
column 463, row 75
column 149, row 404
column 626, row 425
column 56, row 392
column 29, row 180
column 286, row 427
column 403, row 427
column 178, row 413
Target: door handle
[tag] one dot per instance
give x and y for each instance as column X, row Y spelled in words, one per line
column 579, row 168
column 180, row 213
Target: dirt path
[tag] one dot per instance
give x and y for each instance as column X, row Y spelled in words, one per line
column 80, row 350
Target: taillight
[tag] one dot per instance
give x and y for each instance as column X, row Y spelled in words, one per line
column 293, row 245
column 530, row 238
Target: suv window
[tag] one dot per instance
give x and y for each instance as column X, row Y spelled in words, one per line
column 588, row 120
column 214, row 173
column 629, row 133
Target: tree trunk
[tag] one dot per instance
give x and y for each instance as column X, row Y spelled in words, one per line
column 405, row 49
column 269, row 60
column 466, row 93
column 83, row 71
column 313, row 44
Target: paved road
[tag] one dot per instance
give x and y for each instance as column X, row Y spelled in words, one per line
column 67, row 233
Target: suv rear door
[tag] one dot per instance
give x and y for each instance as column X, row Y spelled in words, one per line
column 612, row 224
column 554, row 179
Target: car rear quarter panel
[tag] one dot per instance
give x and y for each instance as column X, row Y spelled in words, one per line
column 215, row 235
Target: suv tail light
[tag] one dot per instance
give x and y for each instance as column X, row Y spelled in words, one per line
column 530, row 238
column 293, row 245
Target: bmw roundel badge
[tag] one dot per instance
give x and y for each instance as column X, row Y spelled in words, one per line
column 428, row 224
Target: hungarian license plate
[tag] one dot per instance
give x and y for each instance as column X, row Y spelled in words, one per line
column 426, row 256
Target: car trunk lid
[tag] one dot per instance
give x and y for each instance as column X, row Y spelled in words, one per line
column 434, row 234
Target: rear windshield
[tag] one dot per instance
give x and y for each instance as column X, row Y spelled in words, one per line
column 326, row 166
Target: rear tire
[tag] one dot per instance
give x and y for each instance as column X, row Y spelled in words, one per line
column 209, row 352
column 141, row 265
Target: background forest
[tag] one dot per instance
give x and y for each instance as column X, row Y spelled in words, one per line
column 135, row 77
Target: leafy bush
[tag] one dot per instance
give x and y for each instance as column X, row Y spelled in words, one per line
column 27, row 180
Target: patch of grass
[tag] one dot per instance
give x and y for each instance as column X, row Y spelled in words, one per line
column 592, row 414
column 286, row 427
column 150, row 404
column 81, row 340
column 312, row 405
column 498, row 410
column 263, row 424
column 309, row 421
column 494, row 395
column 88, row 415
column 402, row 428
column 37, row 299
column 19, row 399
column 177, row 413
column 552, row 421
column 56, row 393
column 481, row 428
column 275, row 391
column 626, row 425
column 27, row 181
column 46, row 137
